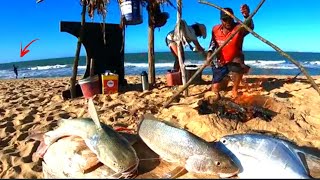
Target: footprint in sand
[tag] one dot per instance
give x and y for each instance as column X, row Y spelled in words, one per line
column 23, row 136
column 37, row 167
column 29, row 118
column 6, row 123
column 29, row 152
column 64, row 115
column 10, row 129
column 26, row 127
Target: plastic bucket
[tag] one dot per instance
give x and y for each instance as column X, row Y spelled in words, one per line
column 173, row 78
column 90, row 86
column 190, row 71
column 131, row 10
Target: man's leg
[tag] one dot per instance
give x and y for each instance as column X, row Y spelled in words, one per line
column 218, row 75
column 236, row 81
column 174, row 50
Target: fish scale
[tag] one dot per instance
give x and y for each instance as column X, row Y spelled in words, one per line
column 186, row 149
column 111, row 148
column 262, row 156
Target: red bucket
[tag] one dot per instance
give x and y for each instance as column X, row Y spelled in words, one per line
column 90, row 86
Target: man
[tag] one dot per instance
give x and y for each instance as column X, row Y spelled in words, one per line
column 231, row 57
column 191, row 34
column 15, row 70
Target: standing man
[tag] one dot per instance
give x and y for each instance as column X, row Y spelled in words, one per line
column 15, row 70
column 231, row 57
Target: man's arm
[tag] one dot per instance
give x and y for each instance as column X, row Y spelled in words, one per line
column 212, row 47
column 245, row 11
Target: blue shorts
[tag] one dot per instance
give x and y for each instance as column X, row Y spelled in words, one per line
column 219, row 73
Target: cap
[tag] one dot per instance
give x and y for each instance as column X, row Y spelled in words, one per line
column 203, row 30
column 223, row 15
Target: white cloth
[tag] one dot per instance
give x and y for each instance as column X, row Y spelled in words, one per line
column 187, row 34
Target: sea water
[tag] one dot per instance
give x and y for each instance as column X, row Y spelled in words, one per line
column 261, row 63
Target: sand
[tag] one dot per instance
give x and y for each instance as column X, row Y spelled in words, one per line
column 35, row 105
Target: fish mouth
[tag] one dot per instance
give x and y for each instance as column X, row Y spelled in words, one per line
column 227, row 175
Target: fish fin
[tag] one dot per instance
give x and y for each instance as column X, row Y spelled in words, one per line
column 93, row 113
column 175, row 173
column 313, row 164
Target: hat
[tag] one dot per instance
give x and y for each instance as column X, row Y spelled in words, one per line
column 223, row 15
column 203, row 30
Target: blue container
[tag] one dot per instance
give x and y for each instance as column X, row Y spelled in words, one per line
column 132, row 11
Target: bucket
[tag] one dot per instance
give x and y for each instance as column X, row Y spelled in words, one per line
column 173, row 78
column 190, row 71
column 132, row 11
column 90, row 86
column 110, row 83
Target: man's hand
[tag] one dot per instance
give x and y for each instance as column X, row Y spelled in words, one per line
column 245, row 10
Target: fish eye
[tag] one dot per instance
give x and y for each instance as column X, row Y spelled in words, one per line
column 224, row 141
column 217, row 163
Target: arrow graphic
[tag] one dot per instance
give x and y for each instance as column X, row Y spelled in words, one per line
column 25, row 50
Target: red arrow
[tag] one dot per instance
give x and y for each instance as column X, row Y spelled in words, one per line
column 25, row 50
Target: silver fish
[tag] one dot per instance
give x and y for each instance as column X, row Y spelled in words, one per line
column 111, row 148
column 184, row 148
column 262, row 156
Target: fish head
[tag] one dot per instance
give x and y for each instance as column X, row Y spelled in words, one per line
column 223, row 165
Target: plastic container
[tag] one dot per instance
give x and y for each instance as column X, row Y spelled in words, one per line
column 173, row 78
column 110, row 83
column 90, row 86
column 190, row 71
column 132, row 11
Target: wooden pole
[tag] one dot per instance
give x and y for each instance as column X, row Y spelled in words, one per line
column 179, row 46
column 211, row 57
column 151, row 59
column 76, row 58
column 302, row 69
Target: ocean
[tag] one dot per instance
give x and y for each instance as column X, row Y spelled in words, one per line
column 261, row 63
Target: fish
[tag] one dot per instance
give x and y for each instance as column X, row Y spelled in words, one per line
column 76, row 156
column 263, row 156
column 111, row 148
column 177, row 145
column 39, row 1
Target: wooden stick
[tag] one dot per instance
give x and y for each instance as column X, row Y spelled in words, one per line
column 179, row 46
column 210, row 58
column 302, row 69
column 73, row 79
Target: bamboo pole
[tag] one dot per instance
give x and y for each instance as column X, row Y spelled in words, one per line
column 151, row 59
column 179, row 46
column 302, row 69
column 76, row 58
column 166, row 104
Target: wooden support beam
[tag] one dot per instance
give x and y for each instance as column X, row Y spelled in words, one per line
column 151, row 58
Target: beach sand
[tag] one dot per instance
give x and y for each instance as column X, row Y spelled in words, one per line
column 35, row 105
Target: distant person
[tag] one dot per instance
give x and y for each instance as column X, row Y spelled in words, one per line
column 191, row 33
column 231, row 57
column 15, row 70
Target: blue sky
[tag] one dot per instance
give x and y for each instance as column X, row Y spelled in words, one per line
column 292, row 25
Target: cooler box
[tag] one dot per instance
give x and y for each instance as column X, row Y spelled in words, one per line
column 173, row 78
column 109, row 83
column 190, row 71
